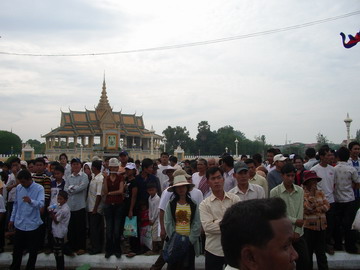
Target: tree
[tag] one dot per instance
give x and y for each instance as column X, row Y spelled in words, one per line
column 10, row 143
column 176, row 136
column 205, row 139
column 357, row 137
column 321, row 140
column 38, row 146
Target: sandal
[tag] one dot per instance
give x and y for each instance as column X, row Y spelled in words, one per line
column 131, row 254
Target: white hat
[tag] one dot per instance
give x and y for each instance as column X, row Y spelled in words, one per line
column 181, row 172
column 279, row 157
column 130, row 166
column 114, row 162
column 24, row 163
column 180, row 180
column 168, row 168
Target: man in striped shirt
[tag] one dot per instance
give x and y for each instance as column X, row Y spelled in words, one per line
column 39, row 177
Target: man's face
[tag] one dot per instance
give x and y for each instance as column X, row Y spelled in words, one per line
column 124, row 158
column 58, row 175
column 15, row 167
column 242, row 177
column 63, row 160
column 270, row 158
column 75, row 167
column 164, row 160
column 278, row 254
column 279, row 164
column 211, row 163
column 327, row 157
column 40, row 167
column 298, row 164
column 355, row 151
column 288, row 178
column 201, row 167
column 216, row 182
column 31, row 167
column 252, row 169
column 25, row 182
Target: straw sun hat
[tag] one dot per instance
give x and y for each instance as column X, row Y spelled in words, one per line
column 180, row 180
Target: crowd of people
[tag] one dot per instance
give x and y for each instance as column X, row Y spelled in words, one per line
column 78, row 207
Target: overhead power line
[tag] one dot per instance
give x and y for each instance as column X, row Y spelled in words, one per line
column 197, row 43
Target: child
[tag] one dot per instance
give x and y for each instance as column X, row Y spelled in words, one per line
column 293, row 195
column 60, row 217
column 57, row 184
column 154, row 201
column 315, row 207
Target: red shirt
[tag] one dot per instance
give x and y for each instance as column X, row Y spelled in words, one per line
column 114, row 186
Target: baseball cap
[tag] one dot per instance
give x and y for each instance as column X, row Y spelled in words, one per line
column 240, row 166
column 279, row 157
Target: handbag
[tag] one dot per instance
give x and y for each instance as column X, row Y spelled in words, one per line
column 130, row 227
column 176, row 248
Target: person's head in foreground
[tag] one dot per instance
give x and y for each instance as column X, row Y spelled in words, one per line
column 256, row 234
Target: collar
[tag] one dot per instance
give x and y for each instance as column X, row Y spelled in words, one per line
column 79, row 174
column 250, row 187
column 231, row 172
column 213, row 197
column 283, row 189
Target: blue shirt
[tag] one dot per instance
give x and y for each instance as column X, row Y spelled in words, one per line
column 26, row 216
column 76, row 187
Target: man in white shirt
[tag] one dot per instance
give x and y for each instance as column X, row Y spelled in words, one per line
column 270, row 154
column 310, row 153
column 256, row 178
column 345, row 205
column 199, row 178
column 326, row 185
column 94, row 209
column 228, row 167
column 244, row 189
column 164, row 159
column 212, row 210
column 354, row 148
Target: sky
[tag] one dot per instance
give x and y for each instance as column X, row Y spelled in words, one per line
column 291, row 84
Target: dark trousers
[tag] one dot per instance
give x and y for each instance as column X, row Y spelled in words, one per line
column 96, row 231
column 316, row 243
column 160, row 262
column 344, row 217
column 113, row 214
column 77, row 230
column 302, row 263
column 25, row 240
column 213, row 262
column 330, row 220
column 58, row 246
column 187, row 263
column 2, row 230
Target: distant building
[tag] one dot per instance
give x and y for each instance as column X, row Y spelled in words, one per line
column 101, row 132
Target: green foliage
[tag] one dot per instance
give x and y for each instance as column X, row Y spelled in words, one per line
column 321, row 140
column 357, row 137
column 10, row 143
column 209, row 142
column 38, row 146
column 176, row 136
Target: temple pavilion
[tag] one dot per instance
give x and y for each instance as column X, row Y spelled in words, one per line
column 101, row 132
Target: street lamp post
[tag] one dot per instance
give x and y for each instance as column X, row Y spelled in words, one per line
column 226, row 149
column 81, row 152
column 348, row 121
column 236, row 145
column 164, row 140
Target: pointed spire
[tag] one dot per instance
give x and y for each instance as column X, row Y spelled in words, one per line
column 103, row 102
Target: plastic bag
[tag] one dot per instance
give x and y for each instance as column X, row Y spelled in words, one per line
column 356, row 223
column 146, row 237
column 130, row 227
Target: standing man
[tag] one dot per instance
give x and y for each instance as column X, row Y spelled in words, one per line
column 244, row 189
column 327, row 172
column 345, row 205
column 270, row 154
column 199, row 178
column 354, row 148
column 310, row 153
column 212, row 210
column 123, row 158
column 228, row 167
column 256, row 178
column 76, row 186
column 274, row 177
column 164, row 162
column 25, row 217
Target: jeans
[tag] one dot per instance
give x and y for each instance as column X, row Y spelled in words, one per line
column 113, row 214
column 316, row 243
